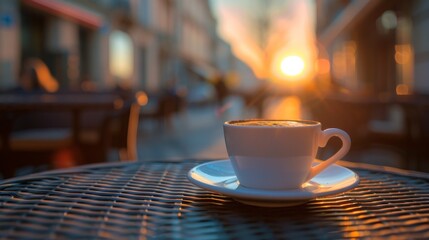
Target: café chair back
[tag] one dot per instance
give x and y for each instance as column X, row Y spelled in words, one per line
column 124, row 134
column 107, row 131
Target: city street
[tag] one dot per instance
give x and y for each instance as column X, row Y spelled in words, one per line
column 195, row 133
column 116, row 116
column 198, row 133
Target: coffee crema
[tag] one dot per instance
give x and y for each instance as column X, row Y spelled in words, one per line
column 270, row 123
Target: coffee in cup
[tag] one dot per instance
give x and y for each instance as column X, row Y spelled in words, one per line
column 279, row 154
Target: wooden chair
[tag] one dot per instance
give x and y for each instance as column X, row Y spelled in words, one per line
column 124, row 134
column 116, row 131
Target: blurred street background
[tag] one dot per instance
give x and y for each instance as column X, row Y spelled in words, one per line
column 85, row 81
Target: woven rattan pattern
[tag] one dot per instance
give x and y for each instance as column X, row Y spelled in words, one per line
column 155, row 200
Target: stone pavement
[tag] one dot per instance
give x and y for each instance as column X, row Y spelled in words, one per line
column 195, row 133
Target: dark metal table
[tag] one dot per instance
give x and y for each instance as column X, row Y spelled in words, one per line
column 155, row 200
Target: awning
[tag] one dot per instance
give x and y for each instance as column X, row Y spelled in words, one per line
column 67, row 10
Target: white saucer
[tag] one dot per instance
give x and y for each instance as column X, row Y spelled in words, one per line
column 218, row 176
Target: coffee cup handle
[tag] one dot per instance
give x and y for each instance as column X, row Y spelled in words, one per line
column 325, row 135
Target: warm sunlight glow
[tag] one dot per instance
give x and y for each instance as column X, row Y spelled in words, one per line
column 142, row 98
column 403, row 53
column 285, row 108
column 44, row 77
column 289, row 31
column 402, row 89
column 323, row 66
column 292, row 65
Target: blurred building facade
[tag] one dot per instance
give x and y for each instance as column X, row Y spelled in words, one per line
column 375, row 46
column 375, row 56
column 63, row 35
column 142, row 44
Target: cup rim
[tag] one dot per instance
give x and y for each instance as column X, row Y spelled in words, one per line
column 310, row 123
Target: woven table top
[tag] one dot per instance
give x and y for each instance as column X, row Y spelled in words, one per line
column 156, row 200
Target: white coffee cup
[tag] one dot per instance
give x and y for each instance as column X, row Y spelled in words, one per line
column 279, row 154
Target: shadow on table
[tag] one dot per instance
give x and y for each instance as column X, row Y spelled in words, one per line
column 246, row 222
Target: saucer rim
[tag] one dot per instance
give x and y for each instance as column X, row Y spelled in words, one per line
column 272, row 195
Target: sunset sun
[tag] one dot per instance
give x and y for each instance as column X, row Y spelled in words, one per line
column 292, row 65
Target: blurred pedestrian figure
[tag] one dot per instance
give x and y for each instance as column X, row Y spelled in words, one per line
column 173, row 100
column 35, row 76
column 123, row 90
column 221, row 89
column 256, row 98
column 261, row 95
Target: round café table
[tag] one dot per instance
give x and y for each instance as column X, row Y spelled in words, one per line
column 151, row 200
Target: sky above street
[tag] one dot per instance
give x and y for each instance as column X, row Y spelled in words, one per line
column 263, row 32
